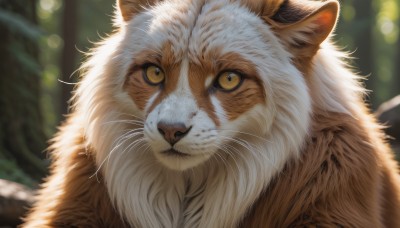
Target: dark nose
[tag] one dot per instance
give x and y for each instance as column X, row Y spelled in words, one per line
column 173, row 132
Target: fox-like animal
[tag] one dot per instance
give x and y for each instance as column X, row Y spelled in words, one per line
column 219, row 114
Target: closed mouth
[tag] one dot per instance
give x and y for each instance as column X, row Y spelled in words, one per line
column 172, row 152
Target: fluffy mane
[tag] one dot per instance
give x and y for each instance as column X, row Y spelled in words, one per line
column 104, row 162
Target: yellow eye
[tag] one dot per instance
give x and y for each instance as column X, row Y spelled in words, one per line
column 153, row 75
column 229, row 81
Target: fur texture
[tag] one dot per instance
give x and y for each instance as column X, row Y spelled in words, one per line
column 291, row 145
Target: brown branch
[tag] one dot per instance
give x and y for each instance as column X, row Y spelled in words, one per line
column 68, row 56
column 14, row 201
column 388, row 113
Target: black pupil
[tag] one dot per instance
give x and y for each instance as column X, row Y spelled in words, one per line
column 157, row 71
column 229, row 77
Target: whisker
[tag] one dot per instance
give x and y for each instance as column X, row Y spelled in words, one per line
column 129, row 147
column 121, row 140
column 131, row 115
column 239, row 141
column 127, row 132
column 247, row 146
column 244, row 133
column 229, row 153
column 218, row 155
column 134, row 122
column 134, row 143
column 141, row 141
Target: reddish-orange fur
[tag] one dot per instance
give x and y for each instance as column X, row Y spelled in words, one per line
column 342, row 180
column 73, row 196
column 346, row 176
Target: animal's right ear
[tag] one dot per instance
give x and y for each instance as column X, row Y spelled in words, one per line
column 128, row 8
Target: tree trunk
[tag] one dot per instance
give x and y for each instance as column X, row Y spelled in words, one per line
column 69, row 35
column 22, row 140
column 388, row 114
column 363, row 23
column 396, row 76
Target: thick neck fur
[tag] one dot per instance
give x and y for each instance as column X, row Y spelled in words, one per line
column 332, row 86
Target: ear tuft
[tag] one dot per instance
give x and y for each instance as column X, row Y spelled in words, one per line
column 305, row 26
column 128, row 8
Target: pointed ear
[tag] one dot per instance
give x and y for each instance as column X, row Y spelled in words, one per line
column 128, row 8
column 303, row 27
column 266, row 8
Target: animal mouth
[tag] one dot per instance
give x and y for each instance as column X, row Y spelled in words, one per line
column 175, row 153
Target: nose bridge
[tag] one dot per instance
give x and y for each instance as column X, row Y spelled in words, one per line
column 177, row 108
column 180, row 103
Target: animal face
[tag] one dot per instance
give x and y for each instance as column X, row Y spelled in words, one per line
column 207, row 79
column 201, row 76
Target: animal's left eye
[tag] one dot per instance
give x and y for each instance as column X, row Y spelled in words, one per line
column 229, row 81
column 153, row 74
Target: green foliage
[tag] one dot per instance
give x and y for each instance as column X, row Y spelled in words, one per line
column 25, row 60
column 9, row 170
column 18, row 24
column 21, row 138
column 49, row 12
column 383, row 44
column 94, row 18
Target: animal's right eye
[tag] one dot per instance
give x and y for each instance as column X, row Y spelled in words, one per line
column 153, row 74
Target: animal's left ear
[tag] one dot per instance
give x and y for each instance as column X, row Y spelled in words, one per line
column 303, row 27
column 128, row 8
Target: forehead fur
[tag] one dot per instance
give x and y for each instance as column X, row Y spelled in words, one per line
column 201, row 29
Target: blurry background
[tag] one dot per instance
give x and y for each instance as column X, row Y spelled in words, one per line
column 42, row 43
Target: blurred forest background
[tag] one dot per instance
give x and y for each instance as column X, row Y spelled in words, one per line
column 43, row 42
